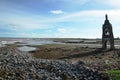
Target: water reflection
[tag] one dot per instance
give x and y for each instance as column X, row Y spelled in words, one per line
column 26, row 48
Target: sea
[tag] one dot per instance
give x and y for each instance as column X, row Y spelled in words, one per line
column 25, row 43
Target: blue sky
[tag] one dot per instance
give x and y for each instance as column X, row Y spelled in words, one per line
column 57, row 18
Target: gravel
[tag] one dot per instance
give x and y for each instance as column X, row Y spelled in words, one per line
column 15, row 65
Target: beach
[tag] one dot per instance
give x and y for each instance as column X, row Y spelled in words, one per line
column 65, row 61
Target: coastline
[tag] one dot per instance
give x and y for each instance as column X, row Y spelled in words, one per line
column 35, row 64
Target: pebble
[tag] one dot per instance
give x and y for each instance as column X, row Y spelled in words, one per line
column 18, row 66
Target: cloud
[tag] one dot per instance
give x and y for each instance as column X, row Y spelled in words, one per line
column 89, row 15
column 21, row 22
column 62, row 30
column 113, row 3
column 90, row 22
column 87, row 23
column 57, row 12
column 76, row 2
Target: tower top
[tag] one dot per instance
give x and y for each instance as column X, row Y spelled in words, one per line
column 106, row 20
column 106, row 17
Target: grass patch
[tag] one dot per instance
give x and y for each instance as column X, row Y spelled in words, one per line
column 115, row 74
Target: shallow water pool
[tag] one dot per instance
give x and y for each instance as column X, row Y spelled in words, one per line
column 26, row 48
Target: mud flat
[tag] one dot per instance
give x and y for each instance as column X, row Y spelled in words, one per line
column 69, row 61
column 92, row 57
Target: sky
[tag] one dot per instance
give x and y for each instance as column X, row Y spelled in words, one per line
column 58, row 18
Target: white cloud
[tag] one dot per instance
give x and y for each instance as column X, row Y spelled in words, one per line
column 113, row 3
column 57, row 12
column 89, row 15
column 20, row 22
column 90, row 23
column 74, row 2
column 92, row 20
column 62, row 30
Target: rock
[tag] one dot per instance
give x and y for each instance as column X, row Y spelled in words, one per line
column 19, row 66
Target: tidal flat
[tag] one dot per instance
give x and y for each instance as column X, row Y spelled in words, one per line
column 63, row 59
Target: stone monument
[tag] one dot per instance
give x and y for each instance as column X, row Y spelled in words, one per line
column 107, row 34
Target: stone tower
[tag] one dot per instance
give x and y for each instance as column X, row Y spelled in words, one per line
column 107, row 34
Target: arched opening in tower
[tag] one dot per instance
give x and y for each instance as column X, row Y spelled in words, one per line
column 108, row 44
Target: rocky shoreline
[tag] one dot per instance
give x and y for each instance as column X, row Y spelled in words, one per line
column 15, row 65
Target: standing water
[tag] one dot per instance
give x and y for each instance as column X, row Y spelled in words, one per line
column 26, row 48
